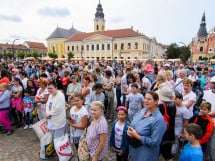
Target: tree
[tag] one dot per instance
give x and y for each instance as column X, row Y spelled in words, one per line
column 1, row 55
column 21, row 54
column 174, row 52
column 52, row 55
column 10, row 55
column 70, row 55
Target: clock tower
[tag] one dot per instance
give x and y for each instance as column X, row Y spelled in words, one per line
column 99, row 21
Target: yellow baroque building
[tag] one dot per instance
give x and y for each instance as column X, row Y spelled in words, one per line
column 118, row 43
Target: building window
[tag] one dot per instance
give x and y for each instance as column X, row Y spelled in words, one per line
column 92, row 47
column 67, row 48
column 97, row 27
column 129, row 45
column 103, row 47
column 103, row 28
column 135, row 45
column 97, row 47
column 122, row 46
column 82, row 47
column 115, row 46
column 87, row 47
column 108, row 46
column 77, row 48
column 201, row 49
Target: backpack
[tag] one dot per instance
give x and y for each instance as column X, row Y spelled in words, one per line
column 166, row 116
column 143, row 90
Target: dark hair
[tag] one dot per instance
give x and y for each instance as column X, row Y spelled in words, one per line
column 4, row 73
column 134, row 85
column 131, row 76
column 24, row 74
column 97, row 86
column 179, row 96
column 52, row 84
column 154, row 95
column 206, row 105
column 81, row 96
column 27, row 91
column 87, row 78
column 20, row 83
column 44, row 75
column 194, row 129
column 108, row 73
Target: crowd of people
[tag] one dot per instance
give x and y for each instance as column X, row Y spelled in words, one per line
column 151, row 109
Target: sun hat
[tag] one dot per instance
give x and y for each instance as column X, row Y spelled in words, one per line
column 148, row 68
column 165, row 94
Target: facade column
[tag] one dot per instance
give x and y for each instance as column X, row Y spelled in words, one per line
column 105, row 51
column 95, row 50
column 111, row 50
column 100, row 51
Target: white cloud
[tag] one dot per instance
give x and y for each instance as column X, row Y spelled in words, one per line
column 12, row 18
column 53, row 12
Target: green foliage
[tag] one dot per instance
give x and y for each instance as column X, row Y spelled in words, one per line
column 21, row 54
column 213, row 57
column 29, row 55
column 10, row 55
column 52, row 55
column 36, row 54
column 205, row 58
column 1, row 55
column 174, row 52
column 70, row 55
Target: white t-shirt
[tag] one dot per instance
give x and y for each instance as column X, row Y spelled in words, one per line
column 186, row 98
column 76, row 118
column 209, row 96
column 182, row 113
column 118, row 134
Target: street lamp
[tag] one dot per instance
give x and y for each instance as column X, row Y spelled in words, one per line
column 13, row 52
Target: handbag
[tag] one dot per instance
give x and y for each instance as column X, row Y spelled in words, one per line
column 83, row 150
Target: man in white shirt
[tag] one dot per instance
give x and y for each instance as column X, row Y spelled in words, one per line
column 209, row 96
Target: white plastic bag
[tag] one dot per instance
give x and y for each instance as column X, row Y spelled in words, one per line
column 40, row 128
column 46, row 146
column 63, row 148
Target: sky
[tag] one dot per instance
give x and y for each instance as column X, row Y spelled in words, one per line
column 169, row 21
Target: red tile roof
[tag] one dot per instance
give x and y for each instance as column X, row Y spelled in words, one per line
column 10, row 46
column 37, row 45
column 119, row 33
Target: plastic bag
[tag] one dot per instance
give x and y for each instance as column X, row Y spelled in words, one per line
column 46, row 146
column 63, row 148
column 40, row 128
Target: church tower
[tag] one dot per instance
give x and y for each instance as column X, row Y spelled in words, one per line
column 99, row 21
column 202, row 29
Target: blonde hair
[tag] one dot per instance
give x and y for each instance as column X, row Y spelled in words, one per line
column 98, row 104
column 4, row 85
column 162, row 75
column 168, row 72
column 188, row 81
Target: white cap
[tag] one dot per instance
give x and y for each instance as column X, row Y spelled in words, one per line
column 166, row 65
column 213, row 79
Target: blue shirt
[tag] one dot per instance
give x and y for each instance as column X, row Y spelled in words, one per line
column 5, row 100
column 190, row 153
column 152, row 129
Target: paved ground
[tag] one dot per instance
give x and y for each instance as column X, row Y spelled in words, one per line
column 22, row 145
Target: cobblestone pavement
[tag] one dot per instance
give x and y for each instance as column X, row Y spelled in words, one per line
column 23, row 145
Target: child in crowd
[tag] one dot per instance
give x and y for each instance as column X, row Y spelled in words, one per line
column 181, row 119
column 134, row 101
column 192, row 151
column 118, row 137
column 4, row 108
column 97, row 94
column 28, row 103
column 205, row 122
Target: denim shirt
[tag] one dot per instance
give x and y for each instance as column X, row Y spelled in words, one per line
column 125, row 146
column 5, row 100
column 152, row 129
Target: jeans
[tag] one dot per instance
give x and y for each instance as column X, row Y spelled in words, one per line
column 28, row 118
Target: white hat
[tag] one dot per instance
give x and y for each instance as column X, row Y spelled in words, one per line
column 212, row 79
column 166, row 65
column 165, row 94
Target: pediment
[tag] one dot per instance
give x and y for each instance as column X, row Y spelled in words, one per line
column 97, row 37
